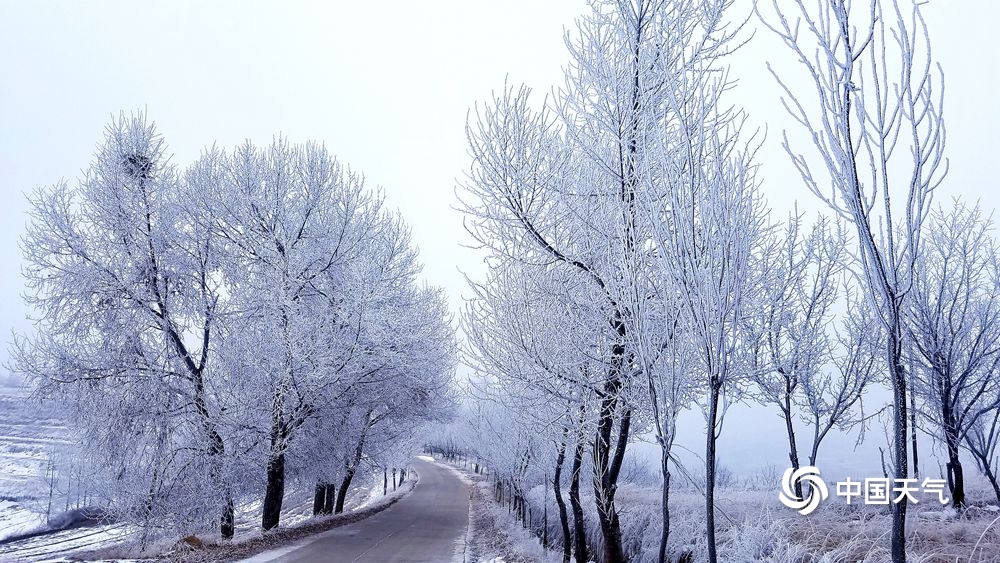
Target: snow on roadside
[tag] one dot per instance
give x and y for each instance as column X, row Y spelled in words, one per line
column 494, row 536
column 463, row 475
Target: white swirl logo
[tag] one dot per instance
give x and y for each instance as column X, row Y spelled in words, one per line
column 817, row 489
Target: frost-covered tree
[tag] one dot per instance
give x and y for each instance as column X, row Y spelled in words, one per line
column 706, row 222
column 533, row 201
column 954, row 327
column 128, row 302
column 802, row 369
column 717, row 221
column 792, row 339
column 294, row 223
column 831, row 398
column 590, row 184
column 323, row 279
column 534, row 341
column 875, row 122
column 668, row 367
column 982, row 440
column 259, row 311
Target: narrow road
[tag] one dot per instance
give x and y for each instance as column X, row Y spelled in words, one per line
column 427, row 525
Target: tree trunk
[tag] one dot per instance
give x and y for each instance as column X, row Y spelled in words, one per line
column 665, row 502
column 991, row 476
column 319, row 498
column 344, row 487
column 605, row 487
column 329, row 498
column 793, row 450
column 579, row 526
column 713, row 413
column 545, row 516
column 227, row 524
column 275, row 491
column 216, row 449
column 956, row 475
column 817, row 438
column 913, row 433
column 557, row 490
column 353, row 467
column 385, row 481
column 606, row 464
column 895, row 343
column 956, row 479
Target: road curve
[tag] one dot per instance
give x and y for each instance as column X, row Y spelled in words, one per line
column 427, row 525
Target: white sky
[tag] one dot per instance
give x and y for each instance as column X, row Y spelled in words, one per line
column 386, row 85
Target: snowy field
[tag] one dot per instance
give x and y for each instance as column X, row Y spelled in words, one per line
column 32, row 438
column 29, row 436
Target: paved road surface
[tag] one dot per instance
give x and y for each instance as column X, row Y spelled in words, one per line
column 427, row 525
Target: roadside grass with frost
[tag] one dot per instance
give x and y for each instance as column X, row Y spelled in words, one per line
column 495, row 536
column 752, row 527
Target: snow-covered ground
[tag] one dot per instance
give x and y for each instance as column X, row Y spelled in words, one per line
column 32, row 437
column 29, row 436
column 494, row 535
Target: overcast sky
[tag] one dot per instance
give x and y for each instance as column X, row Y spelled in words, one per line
column 385, row 85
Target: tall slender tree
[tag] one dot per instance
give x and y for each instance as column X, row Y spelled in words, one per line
column 875, row 89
